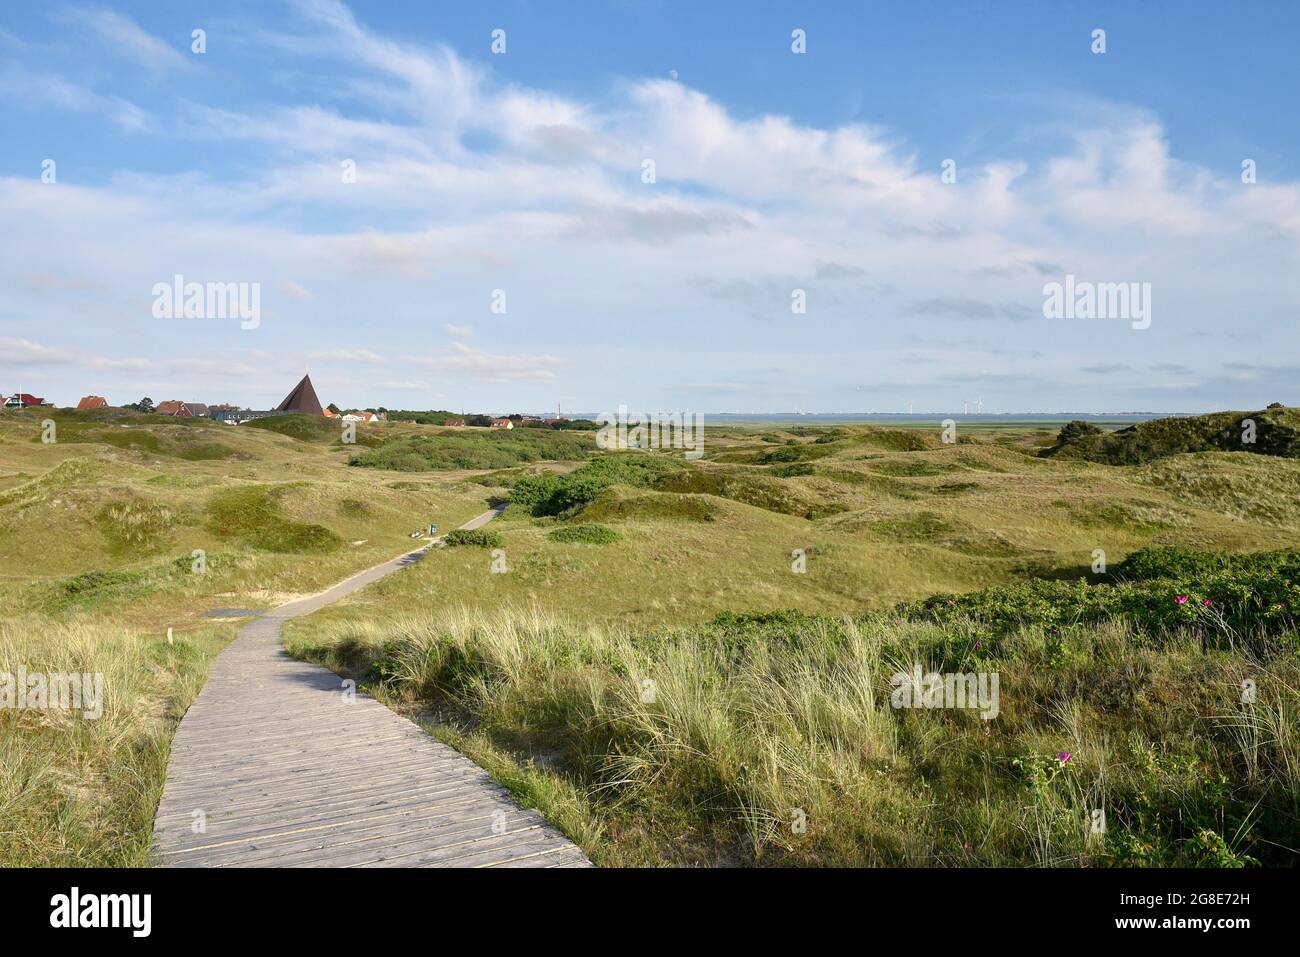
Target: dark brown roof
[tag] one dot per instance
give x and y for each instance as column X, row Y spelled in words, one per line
column 301, row 399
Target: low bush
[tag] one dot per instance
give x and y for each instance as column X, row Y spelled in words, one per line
column 552, row 494
column 584, row 534
column 1271, row 431
column 1158, row 592
column 475, row 537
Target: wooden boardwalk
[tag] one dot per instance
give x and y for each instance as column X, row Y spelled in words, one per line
column 273, row 766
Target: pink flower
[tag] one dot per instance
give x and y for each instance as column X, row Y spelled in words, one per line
column 1181, row 599
column 1064, row 757
column 1206, row 601
column 979, row 644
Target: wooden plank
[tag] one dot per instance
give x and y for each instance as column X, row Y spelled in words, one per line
column 288, row 774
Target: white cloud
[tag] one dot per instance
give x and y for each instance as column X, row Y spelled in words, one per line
column 549, row 204
column 124, row 37
column 26, row 352
column 47, row 89
column 487, row 367
column 346, row 355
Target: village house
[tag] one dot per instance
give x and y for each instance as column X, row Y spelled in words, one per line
column 23, row 400
column 456, row 423
column 502, row 424
column 174, row 407
column 92, row 402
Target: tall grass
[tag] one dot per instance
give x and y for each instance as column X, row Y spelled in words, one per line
column 81, row 792
column 771, row 739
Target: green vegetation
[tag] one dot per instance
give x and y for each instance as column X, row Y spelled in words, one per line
column 972, row 556
column 621, row 505
column 1228, row 601
column 1253, row 488
column 757, row 490
column 584, row 535
column 98, row 539
column 457, row 449
column 81, row 792
column 191, row 440
column 1271, row 431
column 306, row 428
column 253, row 516
column 702, row 745
column 551, row 494
column 476, row 537
column 135, row 525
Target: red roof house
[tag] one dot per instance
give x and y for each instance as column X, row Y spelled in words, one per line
column 174, row 407
column 92, row 402
column 23, row 400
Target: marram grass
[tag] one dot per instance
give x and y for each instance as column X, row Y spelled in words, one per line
column 81, row 792
column 770, row 740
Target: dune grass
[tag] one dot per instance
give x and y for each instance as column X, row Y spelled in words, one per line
column 81, row 792
column 113, row 535
column 772, row 740
column 755, row 717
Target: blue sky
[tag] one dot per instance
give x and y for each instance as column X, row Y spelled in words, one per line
column 775, row 172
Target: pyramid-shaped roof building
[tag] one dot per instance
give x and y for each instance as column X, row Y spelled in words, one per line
column 301, row 399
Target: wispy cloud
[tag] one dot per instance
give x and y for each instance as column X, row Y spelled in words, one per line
column 477, row 364
column 124, row 37
column 467, row 181
column 33, row 90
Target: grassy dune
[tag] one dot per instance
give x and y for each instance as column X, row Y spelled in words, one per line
column 1114, row 695
column 97, row 539
column 876, row 526
column 759, row 725
column 621, row 567
column 81, row 792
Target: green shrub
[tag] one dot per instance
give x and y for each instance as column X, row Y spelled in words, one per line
column 584, row 535
column 536, row 493
column 615, row 505
column 551, row 494
column 793, row 470
column 759, row 491
column 794, row 453
column 475, row 537
column 1277, row 432
column 1224, row 598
